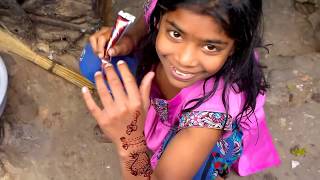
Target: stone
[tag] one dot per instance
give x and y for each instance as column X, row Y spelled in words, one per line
column 64, row 10
column 316, row 97
column 3, row 170
column 314, row 19
column 294, row 164
column 50, row 34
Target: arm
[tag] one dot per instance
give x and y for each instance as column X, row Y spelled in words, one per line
column 138, row 30
column 181, row 160
column 187, row 152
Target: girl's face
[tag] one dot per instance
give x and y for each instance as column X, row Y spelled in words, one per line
column 191, row 47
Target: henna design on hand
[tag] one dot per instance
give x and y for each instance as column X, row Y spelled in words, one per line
column 139, row 164
column 138, row 141
column 139, row 161
column 133, row 126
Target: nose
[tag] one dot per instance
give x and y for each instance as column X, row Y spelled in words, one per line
column 187, row 55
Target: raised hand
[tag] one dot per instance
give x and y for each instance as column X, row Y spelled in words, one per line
column 99, row 40
column 126, row 44
column 123, row 113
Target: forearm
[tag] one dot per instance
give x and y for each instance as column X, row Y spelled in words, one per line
column 138, row 30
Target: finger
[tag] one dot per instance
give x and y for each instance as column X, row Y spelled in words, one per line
column 102, row 40
column 129, row 82
column 94, row 38
column 123, row 47
column 94, row 43
column 115, row 84
column 103, row 91
column 91, row 105
column 145, row 88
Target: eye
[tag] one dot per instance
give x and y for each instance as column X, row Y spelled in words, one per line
column 175, row 34
column 211, row 48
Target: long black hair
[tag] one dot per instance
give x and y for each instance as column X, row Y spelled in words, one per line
column 241, row 21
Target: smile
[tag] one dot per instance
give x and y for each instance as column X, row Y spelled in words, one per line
column 182, row 76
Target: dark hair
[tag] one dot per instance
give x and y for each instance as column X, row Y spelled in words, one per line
column 242, row 21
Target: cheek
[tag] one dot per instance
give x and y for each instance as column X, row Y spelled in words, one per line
column 160, row 45
column 213, row 65
column 163, row 46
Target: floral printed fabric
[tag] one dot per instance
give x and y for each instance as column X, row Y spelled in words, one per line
column 206, row 119
column 161, row 107
column 224, row 154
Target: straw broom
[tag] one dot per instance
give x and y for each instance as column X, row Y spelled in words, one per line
column 11, row 44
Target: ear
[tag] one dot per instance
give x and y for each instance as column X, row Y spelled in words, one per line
column 158, row 23
column 160, row 20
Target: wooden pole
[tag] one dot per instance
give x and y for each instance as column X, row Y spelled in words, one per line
column 104, row 9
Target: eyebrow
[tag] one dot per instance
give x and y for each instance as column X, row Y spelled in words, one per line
column 175, row 26
column 209, row 41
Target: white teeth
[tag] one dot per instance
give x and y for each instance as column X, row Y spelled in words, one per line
column 180, row 73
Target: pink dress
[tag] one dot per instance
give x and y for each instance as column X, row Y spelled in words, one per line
column 258, row 150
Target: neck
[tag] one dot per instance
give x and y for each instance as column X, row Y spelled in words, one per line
column 167, row 90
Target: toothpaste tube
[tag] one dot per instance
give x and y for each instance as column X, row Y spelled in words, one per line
column 121, row 25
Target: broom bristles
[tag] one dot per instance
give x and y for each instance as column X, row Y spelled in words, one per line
column 11, row 44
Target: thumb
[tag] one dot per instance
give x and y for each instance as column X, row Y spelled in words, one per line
column 145, row 88
column 122, row 48
column 118, row 50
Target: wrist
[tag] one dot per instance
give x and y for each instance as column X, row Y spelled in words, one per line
column 129, row 145
column 134, row 40
column 134, row 155
column 136, row 163
column 124, row 155
column 137, row 31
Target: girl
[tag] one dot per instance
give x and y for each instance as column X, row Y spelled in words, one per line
column 199, row 107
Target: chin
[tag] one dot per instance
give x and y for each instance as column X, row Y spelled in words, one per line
column 180, row 84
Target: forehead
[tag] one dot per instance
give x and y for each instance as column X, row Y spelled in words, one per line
column 195, row 24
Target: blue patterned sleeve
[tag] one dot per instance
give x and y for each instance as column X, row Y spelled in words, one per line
column 206, row 119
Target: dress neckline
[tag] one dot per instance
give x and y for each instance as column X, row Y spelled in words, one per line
column 156, row 93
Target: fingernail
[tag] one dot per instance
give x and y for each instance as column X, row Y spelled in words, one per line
column 100, row 55
column 84, row 89
column 104, row 61
column 120, row 62
column 107, row 65
column 152, row 74
column 97, row 73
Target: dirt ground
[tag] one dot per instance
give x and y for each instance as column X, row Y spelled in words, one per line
column 49, row 134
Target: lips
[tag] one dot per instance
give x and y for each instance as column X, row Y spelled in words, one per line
column 181, row 76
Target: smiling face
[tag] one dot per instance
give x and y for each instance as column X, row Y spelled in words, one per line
column 190, row 47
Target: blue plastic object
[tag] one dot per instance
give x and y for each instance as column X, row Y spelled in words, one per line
column 90, row 63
